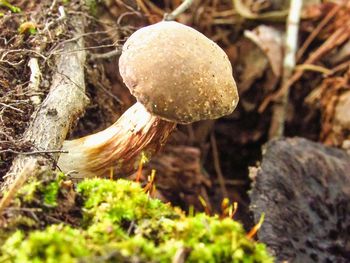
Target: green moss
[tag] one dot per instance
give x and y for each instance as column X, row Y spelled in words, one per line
column 28, row 191
column 27, row 28
column 122, row 224
column 43, row 189
column 92, row 6
column 57, row 243
column 120, row 201
column 37, row 201
column 50, row 193
column 13, row 8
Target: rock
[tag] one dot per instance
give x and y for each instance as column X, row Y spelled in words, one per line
column 303, row 188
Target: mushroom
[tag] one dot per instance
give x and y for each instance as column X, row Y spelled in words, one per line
column 177, row 75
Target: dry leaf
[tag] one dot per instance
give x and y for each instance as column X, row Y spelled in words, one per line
column 270, row 41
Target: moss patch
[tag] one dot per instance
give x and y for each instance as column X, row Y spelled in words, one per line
column 121, row 223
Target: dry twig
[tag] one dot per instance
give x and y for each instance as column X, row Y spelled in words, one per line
column 291, row 42
column 317, row 30
column 34, row 81
column 217, row 166
column 178, row 11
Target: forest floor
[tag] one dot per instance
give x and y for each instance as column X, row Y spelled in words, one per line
column 207, row 160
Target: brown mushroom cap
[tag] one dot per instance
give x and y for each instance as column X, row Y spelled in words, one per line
column 178, row 74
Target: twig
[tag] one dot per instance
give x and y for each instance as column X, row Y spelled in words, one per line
column 77, row 37
column 25, row 209
column 317, row 30
column 291, row 42
column 11, row 107
column 180, row 255
column 52, row 5
column 312, row 67
column 232, row 182
column 110, row 54
column 341, row 66
column 179, row 10
column 62, row 13
column 34, row 81
column 8, row 51
column 27, row 170
column 145, row 10
column 217, row 166
column 13, row 64
column 61, row 52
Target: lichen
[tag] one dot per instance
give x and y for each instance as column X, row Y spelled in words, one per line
column 121, row 223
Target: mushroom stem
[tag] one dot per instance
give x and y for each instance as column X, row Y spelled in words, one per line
column 118, row 146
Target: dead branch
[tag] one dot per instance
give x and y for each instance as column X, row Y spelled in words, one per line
column 63, row 105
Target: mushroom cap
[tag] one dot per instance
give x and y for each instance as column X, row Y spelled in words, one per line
column 177, row 73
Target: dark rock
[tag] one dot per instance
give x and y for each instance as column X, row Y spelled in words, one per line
column 303, row 188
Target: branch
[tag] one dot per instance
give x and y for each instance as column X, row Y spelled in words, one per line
column 178, row 11
column 63, row 105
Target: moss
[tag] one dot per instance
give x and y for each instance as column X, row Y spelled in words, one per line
column 51, row 190
column 37, row 201
column 28, row 191
column 92, row 6
column 27, row 28
column 13, row 8
column 57, row 243
column 50, row 193
column 9, row 249
column 120, row 201
column 42, row 189
column 123, row 224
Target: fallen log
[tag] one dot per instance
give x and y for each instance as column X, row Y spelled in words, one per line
column 303, row 188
